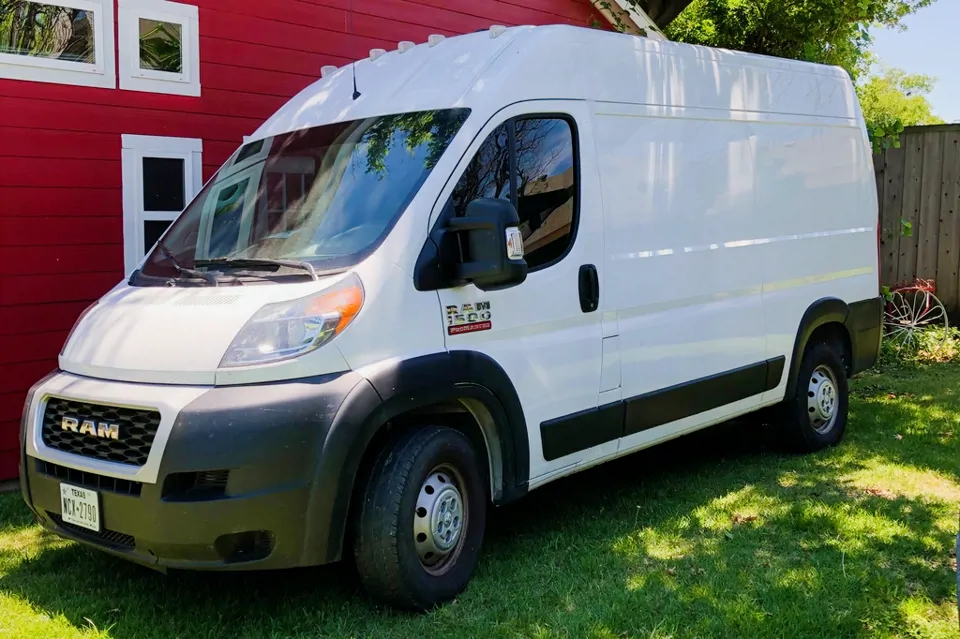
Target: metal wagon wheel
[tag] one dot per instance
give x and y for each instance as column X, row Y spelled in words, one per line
column 911, row 310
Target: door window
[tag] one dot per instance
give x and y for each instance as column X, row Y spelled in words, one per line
column 531, row 162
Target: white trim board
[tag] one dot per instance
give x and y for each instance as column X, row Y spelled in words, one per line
column 641, row 19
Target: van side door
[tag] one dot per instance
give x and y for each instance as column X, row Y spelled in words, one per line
column 685, row 270
column 546, row 331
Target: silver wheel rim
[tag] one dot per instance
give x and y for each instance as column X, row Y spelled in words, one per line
column 440, row 520
column 823, row 400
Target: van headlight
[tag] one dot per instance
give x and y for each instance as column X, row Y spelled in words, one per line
column 290, row 329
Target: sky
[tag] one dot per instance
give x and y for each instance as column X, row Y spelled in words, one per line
column 930, row 46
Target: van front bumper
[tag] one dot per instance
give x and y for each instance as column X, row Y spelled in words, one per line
column 244, row 477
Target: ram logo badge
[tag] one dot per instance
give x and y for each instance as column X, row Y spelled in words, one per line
column 469, row 318
column 103, row 430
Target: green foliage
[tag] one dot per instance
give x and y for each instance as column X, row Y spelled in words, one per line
column 161, row 49
column 618, row 15
column 826, row 31
column 835, row 32
column 433, row 128
column 906, row 227
column 892, row 99
column 935, row 344
column 46, row 31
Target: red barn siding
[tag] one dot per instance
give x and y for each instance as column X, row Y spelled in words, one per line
column 61, row 210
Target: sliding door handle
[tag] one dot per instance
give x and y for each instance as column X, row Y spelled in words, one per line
column 589, row 288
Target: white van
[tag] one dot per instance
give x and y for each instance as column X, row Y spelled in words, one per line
column 449, row 274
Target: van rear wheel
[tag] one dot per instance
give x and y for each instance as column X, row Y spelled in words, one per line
column 816, row 416
column 420, row 524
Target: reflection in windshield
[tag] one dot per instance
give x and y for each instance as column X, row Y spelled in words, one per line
column 327, row 195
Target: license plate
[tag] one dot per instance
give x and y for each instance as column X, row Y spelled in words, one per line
column 80, row 507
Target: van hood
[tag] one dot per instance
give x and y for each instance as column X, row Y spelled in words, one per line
column 167, row 335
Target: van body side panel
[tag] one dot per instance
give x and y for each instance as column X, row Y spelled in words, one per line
column 816, row 188
column 682, row 274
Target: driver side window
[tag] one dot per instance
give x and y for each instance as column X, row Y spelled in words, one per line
column 532, row 163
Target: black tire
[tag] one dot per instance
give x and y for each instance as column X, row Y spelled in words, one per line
column 385, row 551
column 797, row 431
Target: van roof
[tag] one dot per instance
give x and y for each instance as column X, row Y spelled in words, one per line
column 488, row 70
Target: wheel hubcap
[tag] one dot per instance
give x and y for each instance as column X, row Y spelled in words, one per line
column 822, row 399
column 439, row 520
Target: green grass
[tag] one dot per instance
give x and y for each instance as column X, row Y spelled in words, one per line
column 713, row 535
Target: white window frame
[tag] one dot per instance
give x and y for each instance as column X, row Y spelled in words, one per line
column 132, row 77
column 101, row 74
column 133, row 149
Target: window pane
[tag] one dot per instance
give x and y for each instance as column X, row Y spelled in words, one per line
column 487, row 175
column 227, row 216
column 47, row 31
column 328, row 194
column 280, row 202
column 248, row 151
column 160, row 46
column 163, row 184
column 152, row 230
column 546, row 192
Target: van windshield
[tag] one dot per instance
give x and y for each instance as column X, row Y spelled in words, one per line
column 326, row 195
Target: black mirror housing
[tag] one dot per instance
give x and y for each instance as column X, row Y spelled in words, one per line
column 491, row 245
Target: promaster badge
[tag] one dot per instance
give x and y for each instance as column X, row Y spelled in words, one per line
column 469, row 318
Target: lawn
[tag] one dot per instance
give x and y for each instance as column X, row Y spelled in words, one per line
column 713, row 535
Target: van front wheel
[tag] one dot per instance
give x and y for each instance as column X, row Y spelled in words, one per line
column 816, row 416
column 420, row 523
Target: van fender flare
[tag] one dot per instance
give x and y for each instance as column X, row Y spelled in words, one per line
column 826, row 310
column 396, row 389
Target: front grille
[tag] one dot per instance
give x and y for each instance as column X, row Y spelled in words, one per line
column 137, row 428
column 89, row 480
column 106, row 537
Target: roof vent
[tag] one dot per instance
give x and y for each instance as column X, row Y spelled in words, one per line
column 326, row 70
column 434, row 40
column 405, row 45
column 496, row 30
column 376, row 53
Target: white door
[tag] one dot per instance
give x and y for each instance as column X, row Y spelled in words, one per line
column 684, row 272
column 537, row 331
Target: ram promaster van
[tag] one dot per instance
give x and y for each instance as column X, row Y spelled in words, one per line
column 446, row 275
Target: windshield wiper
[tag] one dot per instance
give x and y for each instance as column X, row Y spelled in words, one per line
column 253, row 263
column 189, row 272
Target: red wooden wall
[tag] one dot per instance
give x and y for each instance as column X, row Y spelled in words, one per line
column 61, row 227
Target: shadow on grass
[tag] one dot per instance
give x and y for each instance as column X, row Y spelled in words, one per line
column 709, row 535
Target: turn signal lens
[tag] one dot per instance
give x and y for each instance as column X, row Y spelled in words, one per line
column 289, row 329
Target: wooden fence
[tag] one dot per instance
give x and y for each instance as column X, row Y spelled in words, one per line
column 919, row 191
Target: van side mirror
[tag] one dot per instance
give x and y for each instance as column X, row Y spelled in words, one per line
column 491, row 245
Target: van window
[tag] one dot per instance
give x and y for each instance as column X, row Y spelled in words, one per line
column 326, row 195
column 487, row 175
column 543, row 187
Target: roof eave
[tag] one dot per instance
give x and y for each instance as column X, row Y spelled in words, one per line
column 626, row 17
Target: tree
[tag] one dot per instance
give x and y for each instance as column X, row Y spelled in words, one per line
column 892, row 99
column 433, row 128
column 833, row 32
